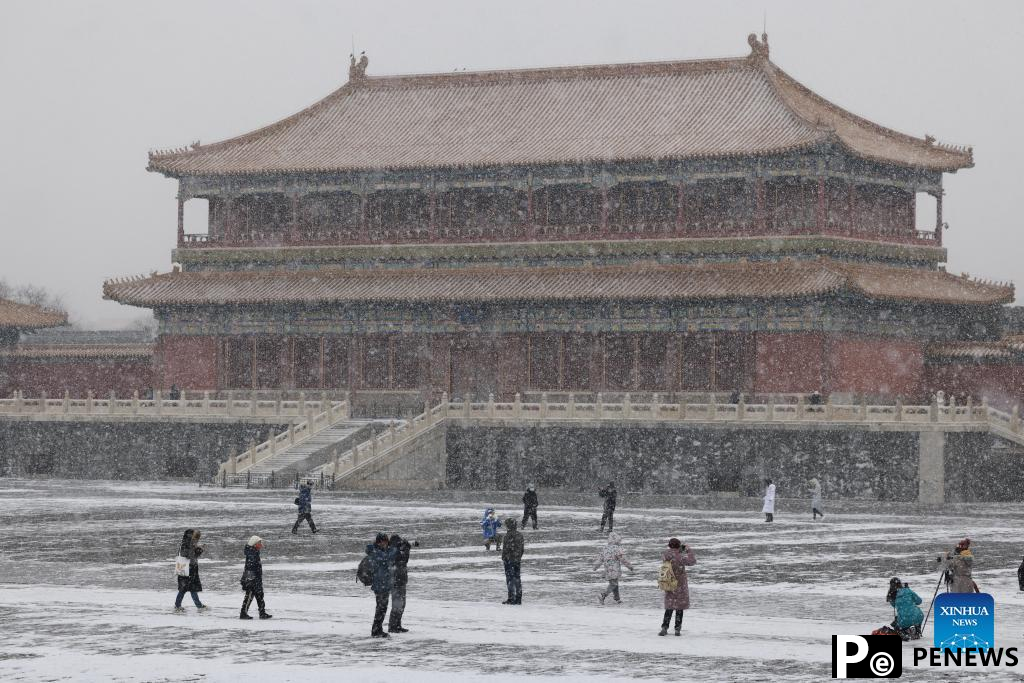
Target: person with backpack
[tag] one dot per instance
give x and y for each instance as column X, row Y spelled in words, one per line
column 512, row 558
column 252, row 579
column 490, row 525
column 379, row 559
column 399, row 582
column 816, row 505
column 959, row 566
column 769, row 501
column 611, row 559
column 908, row 615
column 610, row 497
column 190, row 550
column 305, row 503
column 672, row 580
column 530, row 506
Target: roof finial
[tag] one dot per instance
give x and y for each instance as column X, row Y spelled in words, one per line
column 357, row 70
column 758, row 49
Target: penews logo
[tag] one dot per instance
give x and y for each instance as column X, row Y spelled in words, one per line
column 964, row 621
column 867, row 657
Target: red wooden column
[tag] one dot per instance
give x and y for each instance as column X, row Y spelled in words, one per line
column 938, row 217
column 821, row 205
column 181, row 221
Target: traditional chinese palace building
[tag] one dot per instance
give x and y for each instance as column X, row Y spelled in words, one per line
column 670, row 226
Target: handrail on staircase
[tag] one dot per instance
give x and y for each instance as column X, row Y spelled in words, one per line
column 337, row 411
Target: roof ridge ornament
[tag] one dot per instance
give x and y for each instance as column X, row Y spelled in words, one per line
column 758, row 49
column 357, row 70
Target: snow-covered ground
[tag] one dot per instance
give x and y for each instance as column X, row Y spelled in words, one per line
column 87, row 585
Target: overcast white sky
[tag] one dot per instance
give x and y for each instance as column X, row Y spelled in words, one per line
column 87, row 88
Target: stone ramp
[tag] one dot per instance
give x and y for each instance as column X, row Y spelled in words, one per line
column 294, row 457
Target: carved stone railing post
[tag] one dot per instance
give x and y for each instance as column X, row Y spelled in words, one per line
column 250, row 458
column 490, row 405
column 800, row 408
column 112, row 402
column 17, row 400
column 627, row 407
column 373, row 443
column 466, row 405
column 158, row 402
column 683, row 405
column 952, row 408
column 970, row 409
column 67, row 402
column 712, row 406
column 543, row 404
column 770, row 409
column 863, row 407
column 933, row 409
column 829, row 408
column 232, row 467
column 302, row 402
column 517, row 406
column 273, row 442
column 277, row 405
column 291, row 433
column 571, row 409
column 253, row 402
column 741, row 408
column 135, row 402
column 444, row 403
column 899, row 410
column 600, row 405
column 206, row 403
column 231, row 403
column 88, row 401
column 42, row 401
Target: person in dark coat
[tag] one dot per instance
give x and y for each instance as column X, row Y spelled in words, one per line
column 530, row 506
column 609, row 494
column 512, row 557
column 382, row 557
column 252, row 579
column 305, row 503
column 191, row 550
column 399, row 582
column 680, row 557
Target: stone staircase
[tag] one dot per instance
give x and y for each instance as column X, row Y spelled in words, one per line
column 288, row 458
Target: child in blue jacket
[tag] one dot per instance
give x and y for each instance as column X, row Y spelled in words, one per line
column 490, row 525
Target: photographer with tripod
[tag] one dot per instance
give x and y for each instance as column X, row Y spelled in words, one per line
column 959, row 564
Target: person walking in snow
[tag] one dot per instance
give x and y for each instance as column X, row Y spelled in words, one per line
column 816, row 505
column 908, row 615
column 190, row 550
column 305, row 503
column 399, row 582
column 610, row 498
column 679, row 558
column 382, row 557
column 611, row 559
column 512, row 558
column 769, row 501
column 490, row 525
column 252, row 579
column 959, row 566
column 530, row 506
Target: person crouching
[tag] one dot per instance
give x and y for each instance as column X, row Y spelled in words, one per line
column 908, row 615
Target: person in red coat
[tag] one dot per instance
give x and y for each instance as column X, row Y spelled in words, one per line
column 678, row 600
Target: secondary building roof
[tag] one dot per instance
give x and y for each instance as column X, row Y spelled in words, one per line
column 26, row 317
column 757, row 280
column 608, row 113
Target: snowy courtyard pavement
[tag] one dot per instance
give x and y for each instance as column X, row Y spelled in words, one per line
column 87, row 587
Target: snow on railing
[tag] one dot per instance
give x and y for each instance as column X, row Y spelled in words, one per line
column 203, row 406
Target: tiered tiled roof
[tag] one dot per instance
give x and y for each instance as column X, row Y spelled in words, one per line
column 622, row 112
column 26, row 317
column 758, row 280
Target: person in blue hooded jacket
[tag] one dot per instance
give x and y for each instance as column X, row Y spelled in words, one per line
column 382, row 557
column 490, row 524
column 908, row 615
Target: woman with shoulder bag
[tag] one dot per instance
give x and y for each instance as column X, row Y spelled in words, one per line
column 678, row 557
column 189, row 550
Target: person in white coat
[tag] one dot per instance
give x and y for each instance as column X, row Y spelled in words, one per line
column 816, row 507
column 769, row 501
